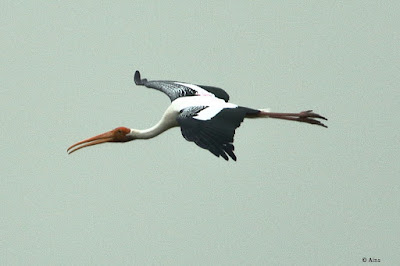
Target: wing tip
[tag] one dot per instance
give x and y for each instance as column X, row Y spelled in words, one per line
column 138, row 80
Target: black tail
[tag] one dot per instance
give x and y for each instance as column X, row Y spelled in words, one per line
column 137, row 79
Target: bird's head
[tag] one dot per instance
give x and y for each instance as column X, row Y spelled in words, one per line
column 119, row 134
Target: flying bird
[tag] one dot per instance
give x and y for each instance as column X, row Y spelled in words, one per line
column 202, row 112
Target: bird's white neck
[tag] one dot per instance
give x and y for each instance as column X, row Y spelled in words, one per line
column 166, row 122
column 147, row 133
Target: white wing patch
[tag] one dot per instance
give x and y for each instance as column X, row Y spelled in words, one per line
column 200, row 91
column 211, row 111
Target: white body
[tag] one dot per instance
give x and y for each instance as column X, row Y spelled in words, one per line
column 168, row 120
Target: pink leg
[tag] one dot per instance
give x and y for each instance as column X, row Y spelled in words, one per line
column 305, row 116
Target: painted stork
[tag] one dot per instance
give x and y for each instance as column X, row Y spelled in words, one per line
column 202, row 112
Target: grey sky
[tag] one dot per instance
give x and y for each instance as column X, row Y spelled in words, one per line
column 297, row 194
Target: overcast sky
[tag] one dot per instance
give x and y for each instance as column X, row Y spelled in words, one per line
column 297, row 194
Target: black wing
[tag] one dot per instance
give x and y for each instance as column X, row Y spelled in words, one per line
column 216, row 134
column 176, row 89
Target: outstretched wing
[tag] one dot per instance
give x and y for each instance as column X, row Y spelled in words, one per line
column 175, row 89
column 216, row 133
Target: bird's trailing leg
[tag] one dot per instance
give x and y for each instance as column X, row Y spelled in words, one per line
column 305, row 116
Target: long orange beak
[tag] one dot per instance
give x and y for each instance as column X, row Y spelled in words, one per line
column 102, row 138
